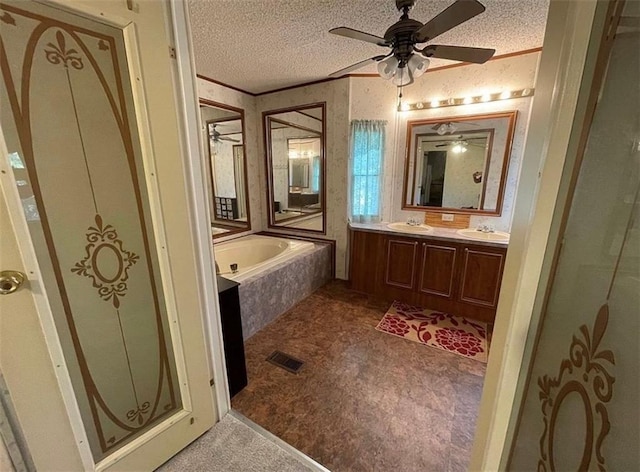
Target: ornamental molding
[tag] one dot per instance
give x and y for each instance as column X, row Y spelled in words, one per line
column 104, row 238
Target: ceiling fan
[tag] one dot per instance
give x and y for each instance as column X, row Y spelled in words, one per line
column 461, row 139
column 216, row 136
column 461, row 144
column 449, row 127
column 406, row 61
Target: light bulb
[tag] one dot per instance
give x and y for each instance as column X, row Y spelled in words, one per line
column 402, row 77
column 417, row 65
column 459, row 147
column 387, row 68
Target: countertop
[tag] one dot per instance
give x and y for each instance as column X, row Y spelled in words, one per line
column 443, row 234
column 225, row 284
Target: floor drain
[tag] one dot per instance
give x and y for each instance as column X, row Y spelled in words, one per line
column 285, row 361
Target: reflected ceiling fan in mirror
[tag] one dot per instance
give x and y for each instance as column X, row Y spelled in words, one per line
column 448, row 127
column 216, row 136
column 461, row 144
column 405, row 62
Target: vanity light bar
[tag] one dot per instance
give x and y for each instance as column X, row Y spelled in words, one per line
column 452, row 102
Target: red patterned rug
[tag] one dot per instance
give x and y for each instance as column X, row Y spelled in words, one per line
column 451, row 333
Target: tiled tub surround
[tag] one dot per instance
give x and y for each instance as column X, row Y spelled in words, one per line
column 274, row 288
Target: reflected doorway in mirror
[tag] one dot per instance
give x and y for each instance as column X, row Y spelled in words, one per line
column 223, row 136
column 458, row 164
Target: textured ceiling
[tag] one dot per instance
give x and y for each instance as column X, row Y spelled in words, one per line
column 263, row 45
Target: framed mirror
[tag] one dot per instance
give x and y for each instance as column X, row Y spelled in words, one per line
column 458, row 164
column 294, row 144
column 225, row 163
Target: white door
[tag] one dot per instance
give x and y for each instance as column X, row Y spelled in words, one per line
column 580, row 405
column 103, row 346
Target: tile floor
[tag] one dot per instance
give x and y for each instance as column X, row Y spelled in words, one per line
column 364, row 400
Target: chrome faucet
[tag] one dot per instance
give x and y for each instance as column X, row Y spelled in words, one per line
column 486, row 228
column 217, row 268
column 413, row 221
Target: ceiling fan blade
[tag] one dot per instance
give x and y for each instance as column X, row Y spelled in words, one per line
column 459, row 53
column 361, row 35
column 357, row 65
column 221, row 138
column 452, row 16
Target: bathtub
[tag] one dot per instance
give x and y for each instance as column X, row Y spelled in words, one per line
column 254, row 254
column 274, row 274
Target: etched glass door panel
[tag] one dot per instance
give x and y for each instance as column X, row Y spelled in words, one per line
column 68, row 119
column 580, row 409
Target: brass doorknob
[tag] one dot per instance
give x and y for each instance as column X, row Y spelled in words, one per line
column 10, row 281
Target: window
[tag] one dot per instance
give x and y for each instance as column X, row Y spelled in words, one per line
column 315, row 174
column 367, row 149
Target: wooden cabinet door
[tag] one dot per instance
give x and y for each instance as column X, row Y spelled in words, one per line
column 367, row 254
column 481, row 275
column 400, row 266
column 437, row 273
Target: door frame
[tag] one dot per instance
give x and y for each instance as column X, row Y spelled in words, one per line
column 175, row 15
column 563, row 86
column 188, row 100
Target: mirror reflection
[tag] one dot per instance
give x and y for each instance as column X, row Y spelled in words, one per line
column 458, row 164
column 225, row 162
column 295, row 161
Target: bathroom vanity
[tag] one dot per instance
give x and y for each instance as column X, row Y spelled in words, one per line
column 440, row 269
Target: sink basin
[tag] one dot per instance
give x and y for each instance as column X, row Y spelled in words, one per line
column 410, row 228
column 482, row 236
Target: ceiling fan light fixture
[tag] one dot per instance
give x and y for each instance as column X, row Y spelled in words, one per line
column 459, row 147
column 388, row 67
column 418, row 65
column 403, row 77
column 445, row 128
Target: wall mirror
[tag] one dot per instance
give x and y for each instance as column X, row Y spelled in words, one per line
column 294, row 144
column 458, row 164
column 225, row 163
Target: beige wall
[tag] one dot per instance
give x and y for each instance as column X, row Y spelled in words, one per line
column 376, row 99
column 336, row 96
